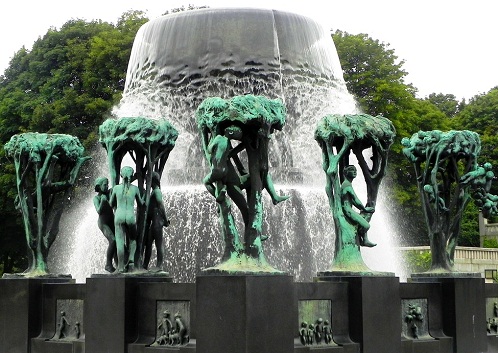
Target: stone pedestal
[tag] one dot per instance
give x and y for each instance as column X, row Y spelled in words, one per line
column 111, row 311
column 464, row 316
column 374, row 311
column 329, row 302
column 154, row 299
column 491, row 297
column 69, row 298
column 21, row 308
column 245, row 314
column 431, row 337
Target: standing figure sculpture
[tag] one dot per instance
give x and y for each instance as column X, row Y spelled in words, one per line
column 447, row 175
column 148, row 142
column 247, row 121
column 156, row 220
column 123, row 199
column 61, row 327
column 47, row 166
column 106, row 220
column 338, row 136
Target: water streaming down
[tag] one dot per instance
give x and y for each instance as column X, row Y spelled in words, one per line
column 179, row 60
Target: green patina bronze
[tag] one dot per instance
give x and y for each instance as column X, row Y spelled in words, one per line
column 47, row 166
column 445, row 166
column 248, row 122
column 338, row 136
column 148, row 142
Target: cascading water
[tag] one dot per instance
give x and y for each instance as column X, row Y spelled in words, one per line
column 179, row 60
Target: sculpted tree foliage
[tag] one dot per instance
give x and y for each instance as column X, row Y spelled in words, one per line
column 47, row 166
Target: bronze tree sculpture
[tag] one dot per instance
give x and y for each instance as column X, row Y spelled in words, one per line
column 249, row 121
column 47, row 166
column 443, row 162
column 338, row 137
column 148, row 142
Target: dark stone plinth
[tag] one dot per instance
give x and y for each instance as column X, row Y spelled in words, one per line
column 314, row 297
column 111, row 311
column 436, row 276
column 245, row 314
column 432, row 338
column 373, row 300
column 491, row 296
column 67, row 297
column 463, row 308
column 21, row 311
column 426, row 346
column 153, row 299
column 183, row 349
column 335, row 276
column 40, row 345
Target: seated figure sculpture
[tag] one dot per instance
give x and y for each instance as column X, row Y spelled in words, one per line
column 122, row 199
column 349, row 199
column 164, row 328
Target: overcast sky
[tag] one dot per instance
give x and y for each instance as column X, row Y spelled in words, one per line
column 449, row 46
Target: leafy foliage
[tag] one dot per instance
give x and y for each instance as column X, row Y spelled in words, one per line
column 490, row 243
column 417, row 261
column 447, row 103
column 469, row 235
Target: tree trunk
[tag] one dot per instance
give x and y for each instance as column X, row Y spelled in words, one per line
column 253, row 230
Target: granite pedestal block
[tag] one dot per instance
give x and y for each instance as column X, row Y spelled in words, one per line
column 491, row 297
column 245, row 314
column 21, row 308
column 111, row 311
column 325, row 301
column 431, row 336
column 68, row 298
column 154, row 299
column 464, row 317
column 374, row 311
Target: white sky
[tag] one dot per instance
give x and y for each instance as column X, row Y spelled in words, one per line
column 449, row 46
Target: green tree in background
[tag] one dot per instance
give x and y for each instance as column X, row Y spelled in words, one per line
column 481, row 115
column 447, row 103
